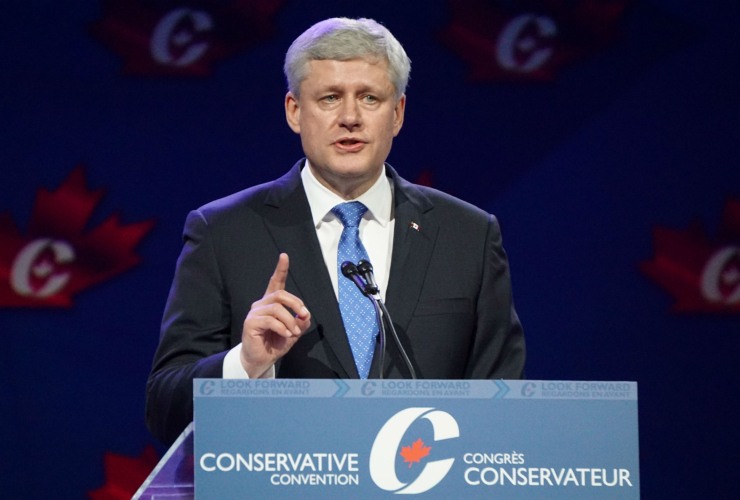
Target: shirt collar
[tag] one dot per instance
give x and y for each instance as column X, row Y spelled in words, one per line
column 321, row 200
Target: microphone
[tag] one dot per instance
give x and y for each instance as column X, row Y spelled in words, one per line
column 366, row 269
column 369, row 287
column 349, row 270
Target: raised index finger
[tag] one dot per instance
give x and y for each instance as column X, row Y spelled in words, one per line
column 277, row 281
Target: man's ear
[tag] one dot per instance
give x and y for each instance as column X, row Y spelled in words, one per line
column 398, row 113
column 293, row 112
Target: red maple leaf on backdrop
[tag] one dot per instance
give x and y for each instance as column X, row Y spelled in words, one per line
column 182, row 37
column 702, row 274
column 425, row 178
column 529, row 40
column 124, row 475
column 55, row 259
column 415, row 452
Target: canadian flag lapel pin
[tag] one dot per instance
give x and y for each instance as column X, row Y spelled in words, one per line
column 414, row 226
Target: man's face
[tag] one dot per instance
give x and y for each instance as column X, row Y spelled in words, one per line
column 347, row 116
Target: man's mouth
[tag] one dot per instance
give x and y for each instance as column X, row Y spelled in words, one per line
column 349, row 144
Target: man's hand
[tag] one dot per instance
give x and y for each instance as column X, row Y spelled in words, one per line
column 270, row 330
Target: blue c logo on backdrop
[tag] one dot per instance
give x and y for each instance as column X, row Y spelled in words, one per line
column 528, row 389
column 368, row 388
column 206, row 388
column 385, row 447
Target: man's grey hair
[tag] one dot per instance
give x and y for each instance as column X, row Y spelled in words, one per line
column 342, row 39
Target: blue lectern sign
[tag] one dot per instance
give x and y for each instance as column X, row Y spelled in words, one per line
column 324, row 439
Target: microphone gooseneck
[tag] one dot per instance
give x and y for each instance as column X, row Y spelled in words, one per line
column 362, row 275
column 381, row 325
column 350, row 271
column 398, row 341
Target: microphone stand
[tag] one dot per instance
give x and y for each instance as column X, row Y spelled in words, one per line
column 398, row 341
column 369, row 288
column 381, row 324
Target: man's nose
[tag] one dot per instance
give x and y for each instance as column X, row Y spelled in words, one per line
column 350, row 115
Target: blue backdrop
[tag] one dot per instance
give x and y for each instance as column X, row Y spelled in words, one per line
column 593, row 129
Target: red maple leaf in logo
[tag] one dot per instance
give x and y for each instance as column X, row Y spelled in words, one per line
column 124, row 475
column 55, row 260
column 415, row 452
column 425, row 178
column 182, row 37
column 529, row 40
column 703, row 275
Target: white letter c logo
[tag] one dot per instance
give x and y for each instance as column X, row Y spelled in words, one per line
column 164, row 34
column 511, row 40
column 718, row 273
column 25, row 266
column 385, row 447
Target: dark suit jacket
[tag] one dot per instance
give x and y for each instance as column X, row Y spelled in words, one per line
column 449, row 294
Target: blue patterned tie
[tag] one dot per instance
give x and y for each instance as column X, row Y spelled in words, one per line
column 357, row 311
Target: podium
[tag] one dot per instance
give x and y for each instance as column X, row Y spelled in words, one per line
column 438, row 439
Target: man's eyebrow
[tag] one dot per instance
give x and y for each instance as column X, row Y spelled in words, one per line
column 367, row 88
column 332, row 88
column 339, row 89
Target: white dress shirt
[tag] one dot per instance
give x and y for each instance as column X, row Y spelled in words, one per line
column 376, row 234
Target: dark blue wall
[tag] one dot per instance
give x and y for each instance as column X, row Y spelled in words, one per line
column 635, row 133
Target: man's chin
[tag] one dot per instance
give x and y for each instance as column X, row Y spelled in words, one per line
column 346, row 178
column 354, row 170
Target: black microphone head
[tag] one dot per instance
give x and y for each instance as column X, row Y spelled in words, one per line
column 349, row 269
column 364, row 266
column 366, row 270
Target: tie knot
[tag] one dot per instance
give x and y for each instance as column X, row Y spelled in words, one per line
column 349, row 213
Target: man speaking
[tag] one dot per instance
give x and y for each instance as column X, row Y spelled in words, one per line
column 258, row 290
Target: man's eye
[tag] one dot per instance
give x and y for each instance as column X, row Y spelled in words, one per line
column 330, row 98
column 370, row 98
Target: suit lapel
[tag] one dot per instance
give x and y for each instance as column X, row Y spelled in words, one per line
column 291, row 226
column 412, row 249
